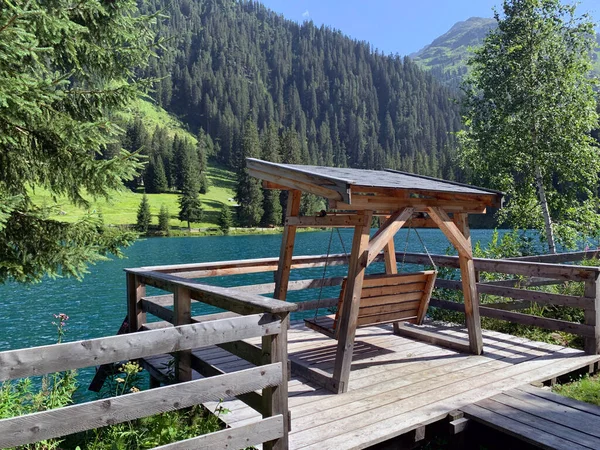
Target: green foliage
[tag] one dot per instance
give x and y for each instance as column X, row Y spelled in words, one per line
column 190, row 208
column 143, row 215
column 585, row 389
column 163, row 220
column 225, row 219
column 57, row 87
column 529, row 109
column 55, row 391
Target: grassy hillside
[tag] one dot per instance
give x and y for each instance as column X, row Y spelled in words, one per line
column 122, row 208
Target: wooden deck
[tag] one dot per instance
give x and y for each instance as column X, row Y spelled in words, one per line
column 397, row 384
column 540, row 418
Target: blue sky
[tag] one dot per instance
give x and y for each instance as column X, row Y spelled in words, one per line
column 395, row 26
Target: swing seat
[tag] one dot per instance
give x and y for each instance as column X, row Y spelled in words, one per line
column 384, row 298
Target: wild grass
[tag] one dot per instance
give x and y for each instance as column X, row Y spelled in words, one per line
column 585, row 389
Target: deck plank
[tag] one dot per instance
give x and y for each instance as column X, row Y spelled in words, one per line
column 397, row 384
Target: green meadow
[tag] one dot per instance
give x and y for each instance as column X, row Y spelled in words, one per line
column 121, row 208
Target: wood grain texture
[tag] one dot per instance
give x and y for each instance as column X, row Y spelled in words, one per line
column 348, row 315
column 387, row 232
column 75, row 355
column 71, row 419
column 282, row 277
column 224, row 298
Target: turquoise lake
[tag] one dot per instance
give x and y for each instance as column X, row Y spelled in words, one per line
column 97, row 306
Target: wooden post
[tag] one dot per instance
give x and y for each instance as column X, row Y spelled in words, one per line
column 275, row 399
column 182, row 308
column 135, row 291
column 592, row 316
column 462, row 222
column 467, row 272
column 391, row 265
column 351, row 304
column 282, row 276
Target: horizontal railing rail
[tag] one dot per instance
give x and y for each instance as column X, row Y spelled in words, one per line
column 523, row 273
column 55, row 423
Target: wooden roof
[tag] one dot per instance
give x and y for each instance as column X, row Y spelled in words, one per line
column 355, row 189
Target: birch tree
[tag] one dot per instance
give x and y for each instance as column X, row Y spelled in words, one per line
column 529, row 108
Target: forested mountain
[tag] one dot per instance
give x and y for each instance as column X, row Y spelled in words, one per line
column 229, row 63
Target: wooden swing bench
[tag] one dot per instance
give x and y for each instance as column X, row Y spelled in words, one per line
column 384, row 298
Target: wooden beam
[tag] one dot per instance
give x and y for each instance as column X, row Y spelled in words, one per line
column 387, row 232
column 343, row 220
column 76, row 355
column 287, row 176
column 302, row 186
column 520, row 318
column 287, row 247
column 530, row 269
column 275, row 398
column 391, row 265
column 274, row 186
column 374, row 203
column 468, row 277
column 76, row 418
column 351, row 304
column 592, row 316
column 135, row 291
column 545, row 298
column 451, row 231
column 225, row 298
column 421, row 334
column 182, row 315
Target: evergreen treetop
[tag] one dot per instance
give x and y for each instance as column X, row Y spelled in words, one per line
column 56, row 85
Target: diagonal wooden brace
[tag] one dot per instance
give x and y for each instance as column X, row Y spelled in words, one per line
column 387, row 232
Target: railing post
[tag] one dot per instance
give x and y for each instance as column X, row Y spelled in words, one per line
column 275, row 399
column 592, row 315
column 182, row 308
column 135, row 291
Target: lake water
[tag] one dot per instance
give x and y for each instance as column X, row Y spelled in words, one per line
column 97, row 306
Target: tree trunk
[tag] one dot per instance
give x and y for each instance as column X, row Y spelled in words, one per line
column 545, row 211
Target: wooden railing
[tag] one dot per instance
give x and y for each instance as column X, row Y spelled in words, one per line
column 238, row 306
column 259, row 317
column 528, row 272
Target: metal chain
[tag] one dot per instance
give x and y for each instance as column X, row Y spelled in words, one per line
column 324, row 273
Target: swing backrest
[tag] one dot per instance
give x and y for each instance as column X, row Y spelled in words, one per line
column 392, row 298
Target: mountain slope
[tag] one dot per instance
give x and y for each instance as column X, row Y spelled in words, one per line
column 446, row 56
column 229, row 60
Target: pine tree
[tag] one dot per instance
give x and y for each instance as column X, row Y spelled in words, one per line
column 225, row 220
column 163, row 220
column 249, row 192
column 143, row 215
column 60, row 93
column 155, row 179
column 271, row 203
column 190, row 206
